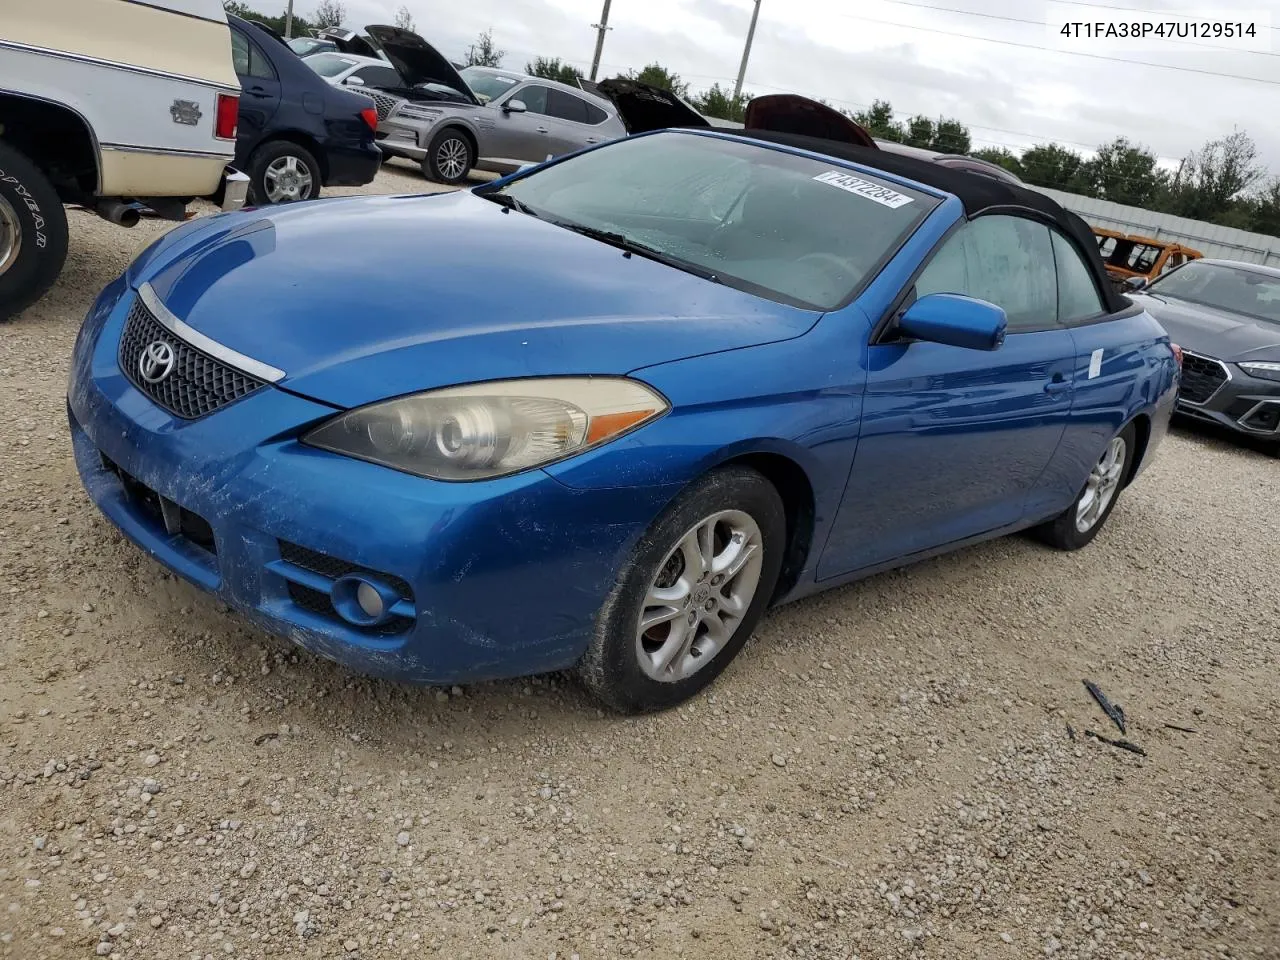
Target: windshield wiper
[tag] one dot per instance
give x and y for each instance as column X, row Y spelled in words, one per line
column 508, row 202
column 628, row 245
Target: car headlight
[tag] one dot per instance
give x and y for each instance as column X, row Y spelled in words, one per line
column 1262, row 369
column 487, row 430
column 411, row 112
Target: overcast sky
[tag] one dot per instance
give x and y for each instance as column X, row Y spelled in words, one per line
column 903, row 51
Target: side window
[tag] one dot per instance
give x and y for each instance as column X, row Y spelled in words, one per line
column 534, row 97
column 565, row 106
column 1078, row 297
column 259, row 65
column 1004, row 260
column 378, row 77
column 240, row 53
column 595, row 115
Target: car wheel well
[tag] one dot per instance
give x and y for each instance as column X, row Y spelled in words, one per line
column 305, row 141
column 1141, row 436
column 57, row 140
column 468, row 136
column 793, row 485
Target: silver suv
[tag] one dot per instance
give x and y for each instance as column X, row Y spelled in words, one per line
column 516, row 119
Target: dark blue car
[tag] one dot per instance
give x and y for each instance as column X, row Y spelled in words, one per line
column 296, row 132
column 603, row 413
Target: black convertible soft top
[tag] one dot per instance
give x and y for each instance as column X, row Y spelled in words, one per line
column 976, row 192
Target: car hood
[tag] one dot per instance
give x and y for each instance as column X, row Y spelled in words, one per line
column 644, row 107
column 362, row 298
column 415, row 60
column 1212, row 332
column 792, row 113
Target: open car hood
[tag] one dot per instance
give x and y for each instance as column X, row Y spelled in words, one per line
column 415, row 60
column 643, row 107
column 792, row 113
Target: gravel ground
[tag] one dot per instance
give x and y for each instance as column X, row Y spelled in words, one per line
column 886, row 770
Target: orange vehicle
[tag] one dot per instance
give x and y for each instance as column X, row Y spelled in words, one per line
column 1132, row 255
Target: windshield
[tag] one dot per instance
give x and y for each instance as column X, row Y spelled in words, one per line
column 330, row 64
column 1226, row 288
column 487, row 86
column 304, row 45
column 787, row 227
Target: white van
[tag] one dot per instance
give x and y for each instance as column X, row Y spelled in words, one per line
column 115, row 105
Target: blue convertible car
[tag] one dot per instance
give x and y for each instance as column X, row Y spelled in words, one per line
column 601, row 414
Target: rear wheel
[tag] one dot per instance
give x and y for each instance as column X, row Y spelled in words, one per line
column 449, row 158
column 698, row 582
column 282, row 171
column 33, row 233
column 1076, row 526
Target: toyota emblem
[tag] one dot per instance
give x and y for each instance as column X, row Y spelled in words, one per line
column 156, row 361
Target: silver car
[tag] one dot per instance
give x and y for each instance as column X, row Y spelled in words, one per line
column 517, row 119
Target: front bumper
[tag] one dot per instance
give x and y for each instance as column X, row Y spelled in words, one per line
column 1232, row 398
column 235, row 188
column 402, row 139
column 499, row 579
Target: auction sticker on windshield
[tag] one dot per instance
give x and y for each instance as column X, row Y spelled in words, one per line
column 863, row 188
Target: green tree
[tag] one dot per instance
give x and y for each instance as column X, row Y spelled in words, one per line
column 1001, row 156
column 722, row 104
column 300, row 27
column 879, row 122
column 329, row 13
column 1123, row 172
column 950, row 136
column 1264, row 210
column 553, row 68
column 1212, row 179
column 483, row 53
column 659, row 76
column 1055, row 167
column 919, row 131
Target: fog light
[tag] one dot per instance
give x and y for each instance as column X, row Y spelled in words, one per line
column 369, row 600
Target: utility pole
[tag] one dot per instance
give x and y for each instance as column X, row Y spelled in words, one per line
column 746, row 52
column 600, row 28
column 288, row 20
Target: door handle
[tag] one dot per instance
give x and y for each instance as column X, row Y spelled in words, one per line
column 542, row 130
column 1059, row 384
column 258, row 91
column 593, row 139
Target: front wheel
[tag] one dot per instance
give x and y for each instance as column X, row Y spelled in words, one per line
column 283, row 172
column 33, row 233
column 1076, row 526
column 697, row 584
column 449, row 158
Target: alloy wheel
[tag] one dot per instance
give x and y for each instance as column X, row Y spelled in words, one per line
column 452, row 157
column 699, row 596
column 10, row 236
column 1101, row 487
column 287, row 179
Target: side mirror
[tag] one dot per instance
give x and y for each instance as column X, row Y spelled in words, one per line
column 956, row 321
column 1135, row 283
column 514, row 106
column 353, row 81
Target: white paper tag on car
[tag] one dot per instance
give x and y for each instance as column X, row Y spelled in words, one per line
column 1095, row 364
column 863, row 188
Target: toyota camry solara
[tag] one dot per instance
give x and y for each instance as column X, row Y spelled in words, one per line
column 602, row 414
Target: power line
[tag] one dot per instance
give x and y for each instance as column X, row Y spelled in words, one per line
column 1041, row 23
column 1069, row 53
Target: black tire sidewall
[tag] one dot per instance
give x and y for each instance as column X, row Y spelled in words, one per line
column 1062, row 532
column 42, row 223
column 609, row 668
column 433, row 171
column 267, row 154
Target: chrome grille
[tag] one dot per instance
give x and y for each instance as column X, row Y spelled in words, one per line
column 1202, row 377
column 384, row 102
column 198, row 385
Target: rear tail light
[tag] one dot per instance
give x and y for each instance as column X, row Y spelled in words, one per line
column 228, row 114
column 1177, row 354
column 370, row 116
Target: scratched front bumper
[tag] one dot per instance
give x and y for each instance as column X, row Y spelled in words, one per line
column 506, row 575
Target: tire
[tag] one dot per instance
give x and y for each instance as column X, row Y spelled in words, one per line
column 292, row 164
column 33, row 233
column 737, row 499
column 449, row 158
column 1064, row 531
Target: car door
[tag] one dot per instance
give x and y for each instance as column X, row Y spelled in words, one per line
column 953, row 441
column 576, row 122
column 1110, row 355
column 259, row 92
column 524, row 136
